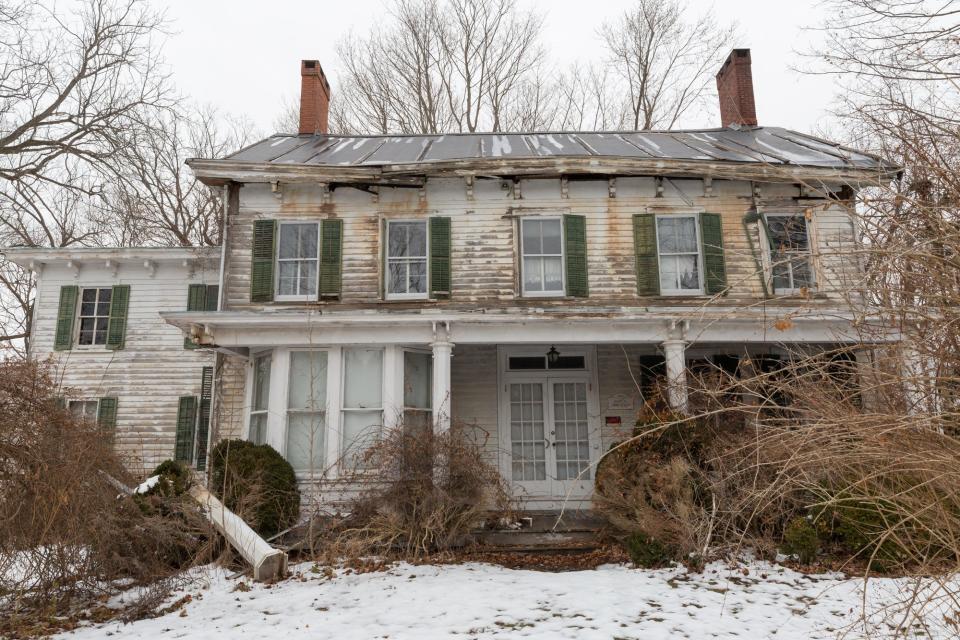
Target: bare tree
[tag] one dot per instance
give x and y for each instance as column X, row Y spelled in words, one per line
column 71, row 86
column 665, row 61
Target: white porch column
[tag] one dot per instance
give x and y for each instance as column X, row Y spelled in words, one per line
column 673, row 352
column 442, row 352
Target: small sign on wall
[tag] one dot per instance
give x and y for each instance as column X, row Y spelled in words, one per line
column 614, row 421
column 621, row 403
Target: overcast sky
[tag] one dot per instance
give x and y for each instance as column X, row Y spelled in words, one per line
column 243, row 56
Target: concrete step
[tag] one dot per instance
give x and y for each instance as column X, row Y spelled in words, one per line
column 544, row 531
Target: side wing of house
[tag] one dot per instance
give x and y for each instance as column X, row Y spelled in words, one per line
column 97, row 321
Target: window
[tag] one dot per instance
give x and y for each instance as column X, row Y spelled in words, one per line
column 541, row 245
column 406, row 259
column 678, row 250
column 417, row 388
column 362, row 406
column 789, row 253
column 540, row 363
column 94, row 316
column 307, row 410
column 297, row 259
column 85, row 410
column 261, row 398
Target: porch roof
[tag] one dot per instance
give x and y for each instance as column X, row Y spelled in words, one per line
column 244, row 329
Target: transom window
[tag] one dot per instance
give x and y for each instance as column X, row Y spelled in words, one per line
column 307, row 411
column 789, row 241
column 297, row 259
column 362, row 404
column 261, row 400
column 94, row 316
column 678, row 249
column 541, row 245
column 85, row 410
column 541, row 363
column 406, row 258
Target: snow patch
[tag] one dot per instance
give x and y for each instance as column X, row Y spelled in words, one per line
column 146, row 485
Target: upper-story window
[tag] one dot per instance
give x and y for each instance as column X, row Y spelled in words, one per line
column 541, row 245
column 406, row 259
column 678, row 249
column 94, row 316
column 297, row 258
column 790, row 257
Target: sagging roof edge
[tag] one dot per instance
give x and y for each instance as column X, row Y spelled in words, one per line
column 27, row 256
column 220, row 172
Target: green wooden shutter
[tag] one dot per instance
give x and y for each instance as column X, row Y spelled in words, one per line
column 715, row 271
column 440, row 257
column 186, row 422
column 261, row 268
column 645, row 249
column 213, row 297
column 117, row 327
column 66, row 317
column 575, row 250
column 196, row 301
column 331, row 256
column 203, row 426
column 107, row 414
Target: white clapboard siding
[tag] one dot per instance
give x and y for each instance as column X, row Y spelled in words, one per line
column 153, row 369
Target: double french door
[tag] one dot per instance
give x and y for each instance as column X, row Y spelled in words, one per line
column 550, row 435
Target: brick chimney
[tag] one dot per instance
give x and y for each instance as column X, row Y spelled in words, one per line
column 735, row 89
column 314, row 98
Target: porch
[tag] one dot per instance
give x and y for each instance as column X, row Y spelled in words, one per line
column 544, row 394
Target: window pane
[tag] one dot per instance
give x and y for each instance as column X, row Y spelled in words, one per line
column 88, row 308
column 417, row 372
column 418, row 277
column 397, row 277
column 305, row 441
column 289, row 237
column 308, row 380
column 288, row 278
column 105, row 294
column 781, row 275
column 553, row 274
column 308, row 278
column 361, row 429
column 532, row 243
column 802, row 276
column 261, row 383
column 363, row 378
column 519, row 363
column 569, row 362
column 689, row 272
column 668, row 273
column 677, row 234
column 532, row 275
column 103, row 309
column 258, row 428
column 89, row 295
column 667, row 234
column 407, row 239
column 551, row 236
column 308, row 241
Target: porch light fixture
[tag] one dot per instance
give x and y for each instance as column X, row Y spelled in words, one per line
column 553, row 356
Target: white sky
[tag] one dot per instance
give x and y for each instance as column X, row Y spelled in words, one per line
column 243, row 56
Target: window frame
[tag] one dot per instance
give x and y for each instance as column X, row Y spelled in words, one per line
column 699, row 254
column 79, row 318
column 277, row 260
column 343, row 409
column 84, row 401
column 265, row 412
column 789, row 254
column 553, row 293
column 388, row 295
column 325, row 413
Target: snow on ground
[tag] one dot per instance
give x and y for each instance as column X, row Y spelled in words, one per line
column 484, row 601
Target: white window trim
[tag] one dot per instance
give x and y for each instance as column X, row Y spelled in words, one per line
column 251, row 380
column 403, row 382
column 562, row 291
column 277, row 260
column 699, row 252
column 385, row 365
column 768, row 254
column 386, row 254
column 332, row 386
column 76, row 324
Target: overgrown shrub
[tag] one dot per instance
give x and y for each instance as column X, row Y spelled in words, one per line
column 648, row 553
column 175, row 479
column 431, row 489
column 800, row 539
column 257, row 483
column 66, row 536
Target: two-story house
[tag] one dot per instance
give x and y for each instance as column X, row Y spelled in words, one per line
column 515, row 282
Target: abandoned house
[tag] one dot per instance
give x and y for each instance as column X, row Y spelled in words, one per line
column 522, row 284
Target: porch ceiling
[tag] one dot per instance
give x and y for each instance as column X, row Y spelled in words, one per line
column 249, row 328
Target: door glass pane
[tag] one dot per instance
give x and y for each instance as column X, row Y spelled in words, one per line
column 417, row 373
column 572, row 441
column 527, row 432
column 308, row 380
column 363, row 378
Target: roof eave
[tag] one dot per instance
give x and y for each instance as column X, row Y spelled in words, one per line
column 31, row 257
column 219, row 172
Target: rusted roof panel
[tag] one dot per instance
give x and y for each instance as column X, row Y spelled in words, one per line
column 771, row 145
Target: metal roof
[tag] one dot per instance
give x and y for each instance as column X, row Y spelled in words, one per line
column 767, row 145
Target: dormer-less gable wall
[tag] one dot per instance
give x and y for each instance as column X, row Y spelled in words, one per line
column 485, row 253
